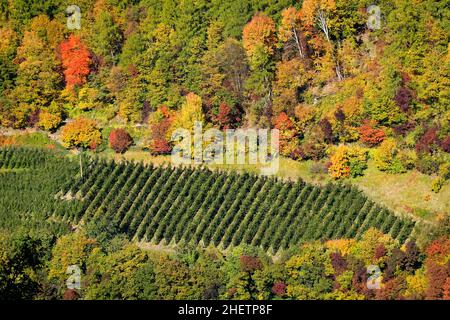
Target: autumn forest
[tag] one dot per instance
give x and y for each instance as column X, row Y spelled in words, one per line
column 92, row 91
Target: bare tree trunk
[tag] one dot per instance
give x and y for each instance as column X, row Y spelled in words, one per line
column 323, row 24
column 298, row 43
column 238, row 82
column 338, row 72
column 268, row 98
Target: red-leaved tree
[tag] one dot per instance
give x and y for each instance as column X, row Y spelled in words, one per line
column 76, row 60
column 250, row 264
column 120, row 140
column 288, row 134
column 445, row 144
column 279, row 288
column 338, row 262
column 428, row 142
column 371, row 136
column 227, row 117
column 437, row 268
column 159, row 127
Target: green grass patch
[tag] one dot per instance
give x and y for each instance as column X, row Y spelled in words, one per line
column 39, row 140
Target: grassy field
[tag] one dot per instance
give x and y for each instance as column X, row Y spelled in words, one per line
column 408, row 192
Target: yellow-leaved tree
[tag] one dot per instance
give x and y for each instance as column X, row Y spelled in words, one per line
column 82, row 132
column 71, row 249
column 348, row 161
column 290, row 30
column 190, row 112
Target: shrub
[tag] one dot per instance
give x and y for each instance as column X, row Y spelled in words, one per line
column 403, row 98
column 71, row 294
column 339, row 115
column 313, row 150
column 49, row 121
column 437, row 276
column 297, row 153
column 348, row 161
column 407, row 158
column 390, row 159
column 428, row 142
column 7, row 140
column 403, row 128
column 314, row 146
column 81, row 132
column 370, row 136
column 288, row 134
column 445, row 144
column 279, row 288
column 327, row 130
column 160, row 122
column 338, row 262
column 120, row 140
column 427, row 164
column 437, row 184
column 249, row 263
column 444, row 170
column 444, row 174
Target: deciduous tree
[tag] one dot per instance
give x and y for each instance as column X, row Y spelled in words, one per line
column 76, row 61
column 81, row 132
column 120, row 140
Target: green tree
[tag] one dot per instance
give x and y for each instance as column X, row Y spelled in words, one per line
column 106, row 37
column 71, row 249
column 38, row 78
column 124, row 274
column 20, row 258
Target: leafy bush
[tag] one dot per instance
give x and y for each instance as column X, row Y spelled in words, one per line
column 7, row 140
column 313, row 150
column 81, row 132
column 49, row 121
column 348, row 161
column 314, row 146
column 437, row 184
column 388, row 157
column 445, row 144
column 120, row 140
column 160, row 123
column 428, row 142
column 444, row 174
column 427, row 164
column 370, row 136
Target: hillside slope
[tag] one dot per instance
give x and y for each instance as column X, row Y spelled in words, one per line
column 173, row 205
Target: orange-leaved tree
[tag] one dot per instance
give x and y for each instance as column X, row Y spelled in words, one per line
column 288, row 134
column 369, row 135
column 290, row 29
column 76, row 61
column 316, row 13
column 259, row 34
